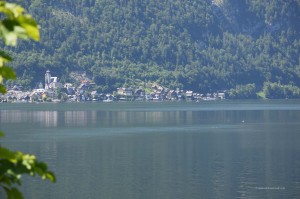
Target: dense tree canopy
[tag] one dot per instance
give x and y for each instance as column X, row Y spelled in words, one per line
column 201, row 45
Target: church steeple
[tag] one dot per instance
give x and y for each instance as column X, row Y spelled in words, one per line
column 47, row 79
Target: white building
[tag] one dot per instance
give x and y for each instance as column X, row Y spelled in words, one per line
column 51, row 82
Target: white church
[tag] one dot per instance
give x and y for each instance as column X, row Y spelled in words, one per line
column 51, row 82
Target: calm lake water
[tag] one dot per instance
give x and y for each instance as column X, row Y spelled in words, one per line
column 227, row 149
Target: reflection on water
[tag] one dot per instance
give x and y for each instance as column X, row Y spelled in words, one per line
column 79, row 118
column 142, row 153
column 132, row 118
column 42, row 118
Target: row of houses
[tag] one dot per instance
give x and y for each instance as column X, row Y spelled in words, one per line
column 54, row 91
column 85, row 92
column 69, row 93
column 160, row 93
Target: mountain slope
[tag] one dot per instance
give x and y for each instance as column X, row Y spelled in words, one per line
column 201, row 45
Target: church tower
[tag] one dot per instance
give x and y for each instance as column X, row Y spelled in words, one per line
column 47, row 79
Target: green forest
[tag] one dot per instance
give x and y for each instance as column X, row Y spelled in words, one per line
column 243, row 46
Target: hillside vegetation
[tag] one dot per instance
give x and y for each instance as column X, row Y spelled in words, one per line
column 201, row 45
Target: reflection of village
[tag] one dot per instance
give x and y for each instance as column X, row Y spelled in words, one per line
column 54, row 91
column 93, row 118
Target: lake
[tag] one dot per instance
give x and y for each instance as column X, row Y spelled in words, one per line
column 217, row 149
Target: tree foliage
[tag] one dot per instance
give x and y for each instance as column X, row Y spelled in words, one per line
column 13, row 165
column 279, row 91
column 243, row 92
column 15, row 25
column 195, row 45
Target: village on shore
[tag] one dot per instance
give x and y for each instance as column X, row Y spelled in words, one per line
column 54, row 91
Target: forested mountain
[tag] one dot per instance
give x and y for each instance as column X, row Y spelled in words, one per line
column 202, row 45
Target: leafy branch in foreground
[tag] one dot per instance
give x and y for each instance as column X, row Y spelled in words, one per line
column 15, row 25
column 13, row 165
